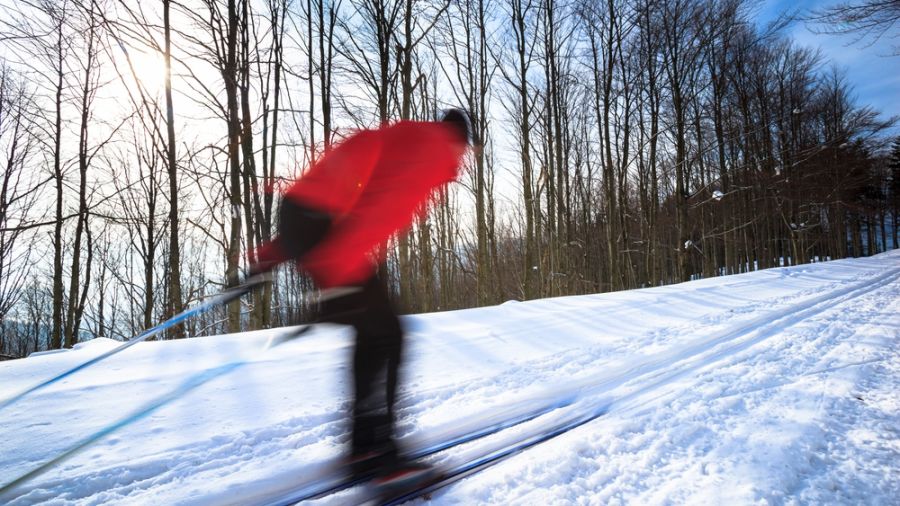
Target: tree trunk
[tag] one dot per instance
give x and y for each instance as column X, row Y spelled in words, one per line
column 174, row 304
column 230, row 76
column 56, row 336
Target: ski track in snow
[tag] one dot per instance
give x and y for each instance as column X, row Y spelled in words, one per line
column 744, row 430
column 774, row 387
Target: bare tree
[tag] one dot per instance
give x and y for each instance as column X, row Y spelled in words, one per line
column 18, row 192
column 39, row 32
column 221, row 42
column 88, row 86
column 466, row 37
column 174, row 304
column 515, row 68
column 866, row 19
column 682, row 33
column 369, row 48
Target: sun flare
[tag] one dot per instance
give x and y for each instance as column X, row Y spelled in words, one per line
column 150, row 70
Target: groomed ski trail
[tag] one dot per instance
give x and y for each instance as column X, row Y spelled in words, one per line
column 680, row 433
column 643, row 381
column 685, row 398
column 646, row 382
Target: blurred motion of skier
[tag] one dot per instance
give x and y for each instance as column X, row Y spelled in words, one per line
column 332, row 219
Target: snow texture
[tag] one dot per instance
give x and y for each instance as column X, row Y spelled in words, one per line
column 779, row 386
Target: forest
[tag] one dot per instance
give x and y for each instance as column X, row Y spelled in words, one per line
column 619, row 144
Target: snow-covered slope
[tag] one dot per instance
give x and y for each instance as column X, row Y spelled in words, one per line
column 780, row 386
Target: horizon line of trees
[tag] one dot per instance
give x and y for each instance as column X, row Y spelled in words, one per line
column 622, row 144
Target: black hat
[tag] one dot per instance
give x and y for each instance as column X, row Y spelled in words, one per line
column 459, row 118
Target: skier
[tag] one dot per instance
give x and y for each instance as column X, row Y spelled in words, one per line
column 331, row 221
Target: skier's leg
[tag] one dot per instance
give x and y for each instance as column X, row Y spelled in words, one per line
column 376, row 360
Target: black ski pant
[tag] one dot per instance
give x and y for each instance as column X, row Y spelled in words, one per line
column 379, row 335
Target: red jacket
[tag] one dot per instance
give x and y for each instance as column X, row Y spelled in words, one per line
column 373, row 184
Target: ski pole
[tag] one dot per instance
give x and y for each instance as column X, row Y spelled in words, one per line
column 145, row 410
column 185, row 387
column 221, row 298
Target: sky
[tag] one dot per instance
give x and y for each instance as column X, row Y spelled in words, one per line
column 870, row 68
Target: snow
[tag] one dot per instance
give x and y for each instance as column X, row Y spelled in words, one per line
column 779, row 386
